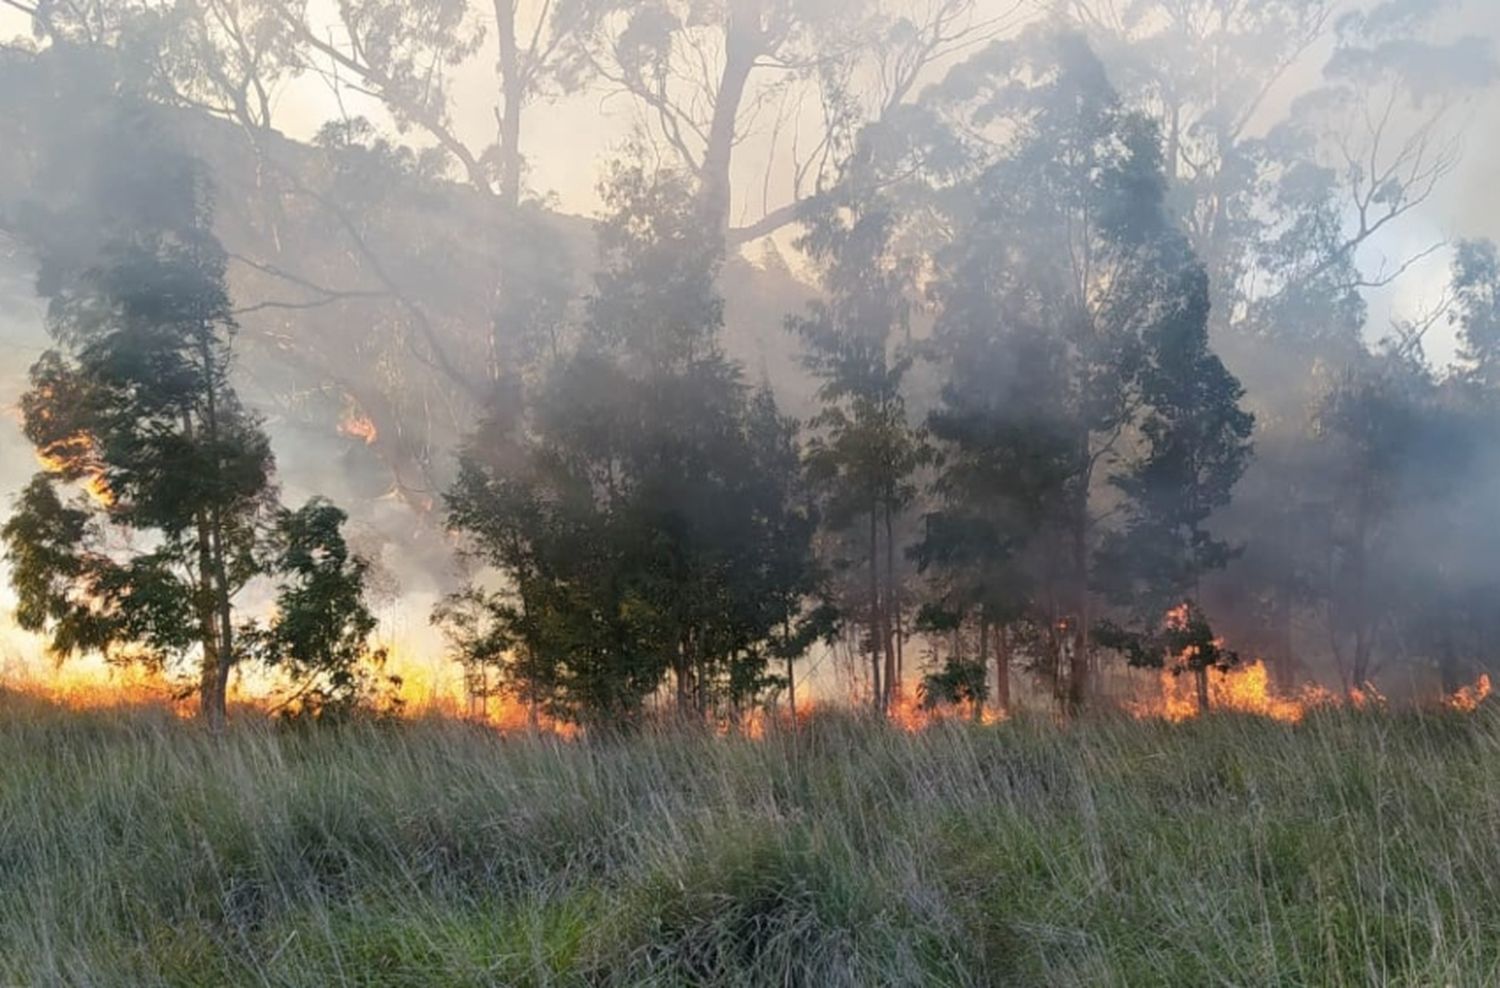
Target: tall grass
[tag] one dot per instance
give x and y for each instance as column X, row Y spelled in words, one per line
column 1352, row 849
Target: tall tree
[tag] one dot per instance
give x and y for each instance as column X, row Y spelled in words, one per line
column 1070, row 284
column 136, row 405
column 639, row 504
column 865, row 449
column 406, row 55
column 1298, row 137
column 707, row 75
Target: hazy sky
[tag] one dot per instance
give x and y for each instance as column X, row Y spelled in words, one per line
column 569, row 141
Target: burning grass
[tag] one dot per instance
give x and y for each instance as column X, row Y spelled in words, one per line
column 1350, row 847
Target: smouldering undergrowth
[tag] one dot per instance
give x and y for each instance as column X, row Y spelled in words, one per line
column 1353, row 848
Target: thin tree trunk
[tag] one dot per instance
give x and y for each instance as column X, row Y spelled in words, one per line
column 1078, row 664
column 1002, row 670
column 512, row 99
column 226, row 617
column 791, row 690
column 211, row 698
column 875, row 622
column 1360, row 580
column 1200, row 677
column 684, row 678
column 892, row 614
column 223, row 597
column 984, row 661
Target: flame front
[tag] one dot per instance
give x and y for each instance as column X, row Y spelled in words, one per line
column 437, row 688
column 1468, row 698
column 1245, row 690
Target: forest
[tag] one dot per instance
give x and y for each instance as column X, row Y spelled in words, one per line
column 1057, row 357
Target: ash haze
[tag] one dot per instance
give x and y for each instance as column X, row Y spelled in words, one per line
column 749, row 492
column 674, row 355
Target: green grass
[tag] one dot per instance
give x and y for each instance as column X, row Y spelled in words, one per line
column 1353, row 849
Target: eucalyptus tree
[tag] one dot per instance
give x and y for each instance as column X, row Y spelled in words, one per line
column 638, row 503
column 865, row 449
column 136, row 406
column 1085, row 413
column 805, row 78
column 1300, row 138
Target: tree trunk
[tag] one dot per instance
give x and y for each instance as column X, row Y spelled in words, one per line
column 984, row 662
column 875, row 623
column 1002, row 670
column 1200, row 677
column 226, row 620
column 742, row 45
column 1078, row 662
column 512, row 100
column 791, row 691
column 211, row 696
column 1359, row 578
column 892, row 615
column 684, row 678
column 222, row 591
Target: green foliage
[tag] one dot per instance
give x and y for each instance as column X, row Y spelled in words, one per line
column 1181, row 641
column 958, row 682
column 320, row 635
column 136, row 405
column 1073, row 350
column 640, row 504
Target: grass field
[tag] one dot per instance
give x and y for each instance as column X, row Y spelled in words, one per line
column 1352, row 849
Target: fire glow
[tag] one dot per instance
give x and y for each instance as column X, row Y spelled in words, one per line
column 76, row 456
column 437, row 689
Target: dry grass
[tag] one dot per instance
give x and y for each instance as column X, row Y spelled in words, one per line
column 1352, row 849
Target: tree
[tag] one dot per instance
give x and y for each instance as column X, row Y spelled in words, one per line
column 1193, row 448
column 1181, row 641
column 704, row 75
column 1476, row 311
column 1298, row 138
column 321, row 634
column 1079, row 314
column 136, row 405
column 864, row 450
column 224, row 57
column 1374, row 419
column 405, row 55
column 639, row 503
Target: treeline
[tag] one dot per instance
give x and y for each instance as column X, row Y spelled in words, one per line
column 1089, row 364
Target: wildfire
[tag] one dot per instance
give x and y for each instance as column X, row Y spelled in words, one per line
column 1245, row 690
column 911, row 715
column 1468, row 698
column 1248, row 690
column 75, row 456
column 437, row 688
column 357, row 425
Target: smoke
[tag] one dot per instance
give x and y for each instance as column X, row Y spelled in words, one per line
column 366, row 272
column 22, row 339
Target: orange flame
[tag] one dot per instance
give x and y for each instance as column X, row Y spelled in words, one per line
column 357, row 425
column 1468, row 698
column 1245, row 690
column 76, row 455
